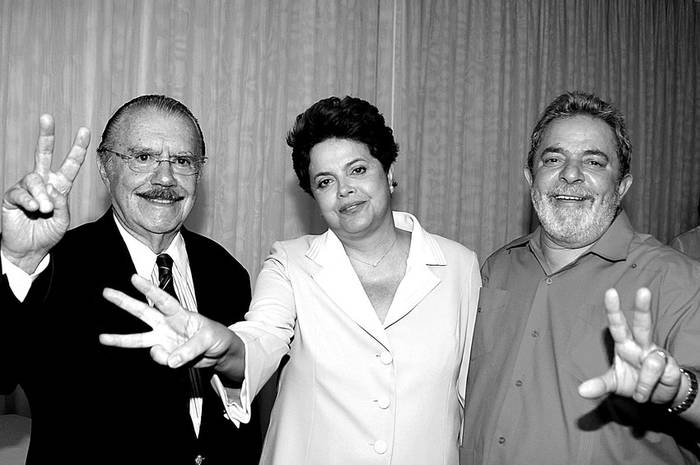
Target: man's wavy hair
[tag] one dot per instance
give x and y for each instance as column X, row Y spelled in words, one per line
column 581, row 103
column 335, row 118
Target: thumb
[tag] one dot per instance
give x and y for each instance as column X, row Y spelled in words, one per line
column 598, row 386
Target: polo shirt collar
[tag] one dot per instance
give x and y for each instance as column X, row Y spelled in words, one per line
column 613, row 245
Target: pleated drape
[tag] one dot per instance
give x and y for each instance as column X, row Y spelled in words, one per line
column 462, row 82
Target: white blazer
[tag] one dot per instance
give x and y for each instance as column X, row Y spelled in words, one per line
column 356, row 391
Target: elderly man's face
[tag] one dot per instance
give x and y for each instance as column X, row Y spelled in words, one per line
column 158, row 202
column 575, row 189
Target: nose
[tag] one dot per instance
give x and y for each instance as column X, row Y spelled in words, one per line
column 345, row 189
column 163, row 174
column 572, row 172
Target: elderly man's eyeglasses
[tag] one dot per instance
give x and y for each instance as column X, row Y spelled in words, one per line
column 185, row 163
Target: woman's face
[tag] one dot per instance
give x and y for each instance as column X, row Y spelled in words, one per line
column 350, row 187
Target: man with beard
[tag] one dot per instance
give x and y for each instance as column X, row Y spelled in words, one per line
column 587, row 341
column 92, row 404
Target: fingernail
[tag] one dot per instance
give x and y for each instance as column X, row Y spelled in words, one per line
column 176, row 361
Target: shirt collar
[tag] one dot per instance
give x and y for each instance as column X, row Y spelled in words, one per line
column 613, row 245
column 144, row 258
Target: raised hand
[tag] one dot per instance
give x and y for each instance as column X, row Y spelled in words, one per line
column 641, row 369
column 178, row 336
column 35, row 213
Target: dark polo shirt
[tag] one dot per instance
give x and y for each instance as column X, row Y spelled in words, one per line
column 538, row 336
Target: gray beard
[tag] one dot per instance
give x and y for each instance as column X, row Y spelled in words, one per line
column 575, row 226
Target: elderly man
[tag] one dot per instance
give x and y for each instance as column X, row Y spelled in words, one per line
column 586, row 348
column 90, row 403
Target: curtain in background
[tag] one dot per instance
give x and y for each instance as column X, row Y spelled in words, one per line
column 462, row 82
column 474, row 76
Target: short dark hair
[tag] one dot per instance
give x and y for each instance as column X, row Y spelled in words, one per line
column 335, row 118
column 581, row 103
column 162, row 103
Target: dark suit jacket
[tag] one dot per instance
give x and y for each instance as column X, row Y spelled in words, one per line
column 100, row 405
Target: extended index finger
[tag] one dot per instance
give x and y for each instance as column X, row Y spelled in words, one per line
column 164, row 302
column 44, row 146
column 619, row 330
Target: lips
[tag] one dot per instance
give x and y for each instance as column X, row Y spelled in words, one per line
column 570, row 196
column 351, row 207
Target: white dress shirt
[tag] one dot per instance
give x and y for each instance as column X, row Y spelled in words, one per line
column 145, row 263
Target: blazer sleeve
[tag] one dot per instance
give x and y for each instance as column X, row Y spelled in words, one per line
column 470, row 301
column 266, row 333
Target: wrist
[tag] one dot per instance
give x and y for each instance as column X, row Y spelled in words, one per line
column 27, row 262
column 687, row 392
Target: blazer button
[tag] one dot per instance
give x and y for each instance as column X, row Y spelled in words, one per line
column 380, row 446
column 199, row 460
column 386, row 358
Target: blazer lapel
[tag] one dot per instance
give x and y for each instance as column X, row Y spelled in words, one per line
column 336, row 277
column 419, row 280
column 418, row 283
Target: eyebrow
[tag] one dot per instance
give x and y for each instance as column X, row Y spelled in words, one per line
column 561, row 151
column 142, row 149
column 150, row 151
column 350, row 163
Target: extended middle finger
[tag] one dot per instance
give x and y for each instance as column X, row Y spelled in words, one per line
column 641, row 318
column 73, row 161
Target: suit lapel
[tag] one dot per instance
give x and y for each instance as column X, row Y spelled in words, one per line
column 336, row 277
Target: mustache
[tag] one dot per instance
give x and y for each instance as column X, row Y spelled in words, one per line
column 161, row 194
column 573, row 191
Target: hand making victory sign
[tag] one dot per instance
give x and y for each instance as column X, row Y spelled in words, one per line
column 35, row 213
column 641, row 369
column 178, row 336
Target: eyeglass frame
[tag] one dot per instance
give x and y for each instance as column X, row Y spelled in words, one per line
column 198, row 162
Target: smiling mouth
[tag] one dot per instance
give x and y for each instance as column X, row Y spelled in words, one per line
column 163, row 198
column 569, row 198
column 351, row 207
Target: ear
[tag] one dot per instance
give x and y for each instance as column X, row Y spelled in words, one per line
column 390, row 178
column 103, row 170
column 624, row 185
column 528, row 176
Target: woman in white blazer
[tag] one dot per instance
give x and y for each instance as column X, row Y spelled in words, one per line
column 376, row 315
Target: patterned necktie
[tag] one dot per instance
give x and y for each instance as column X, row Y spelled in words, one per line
column 165, row 273
column 165, row 282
